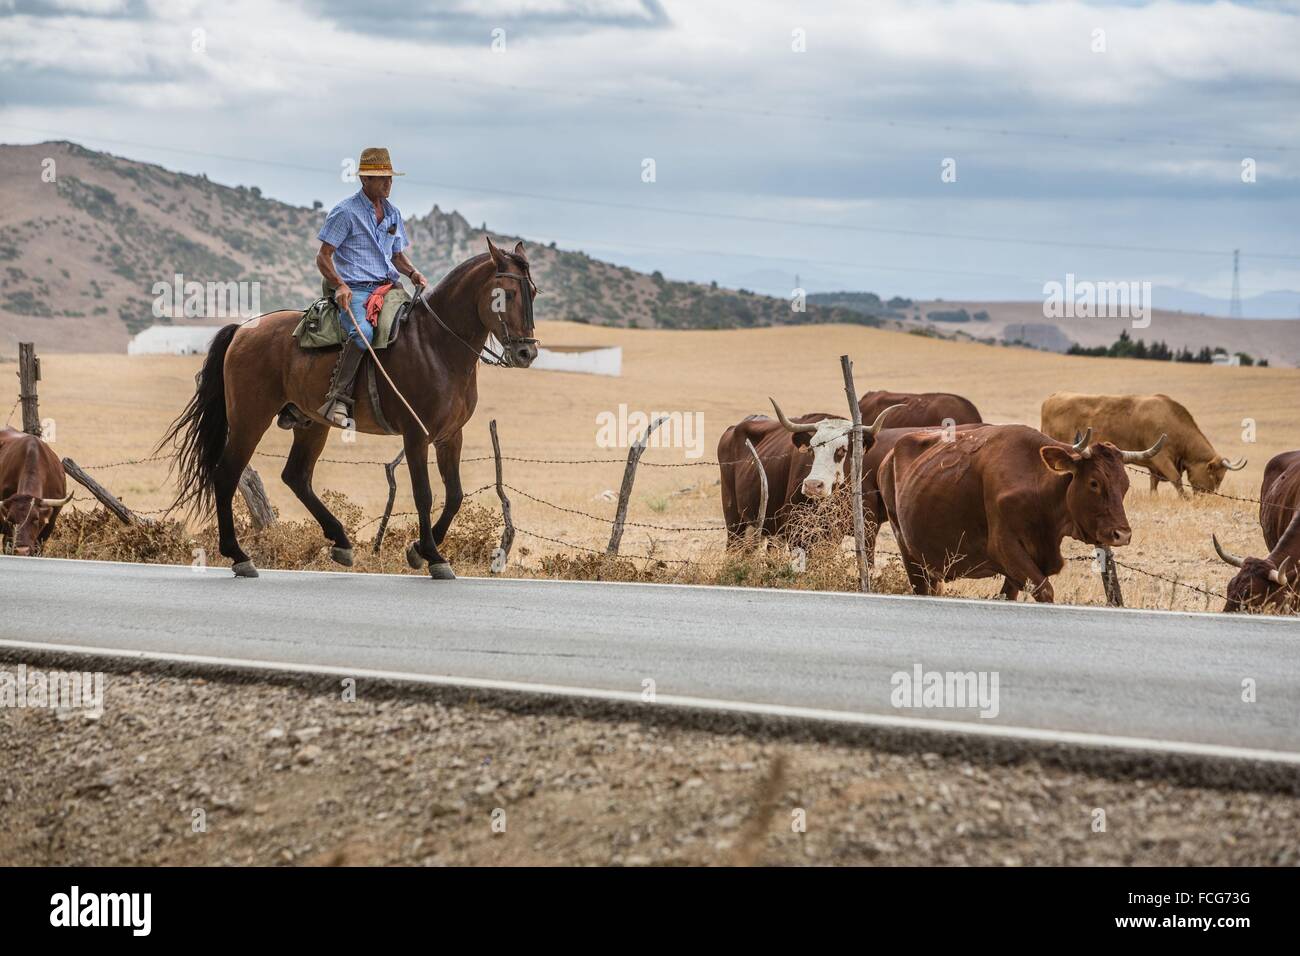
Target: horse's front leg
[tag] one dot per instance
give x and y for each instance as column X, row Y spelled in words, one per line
column 418, row 552
column 449, row 468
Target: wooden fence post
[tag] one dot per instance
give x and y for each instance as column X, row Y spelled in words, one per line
column 29, row 373
column 390, row 473
column 859, row 523
column 762, row 493
column 123, row 513
column 629, row 475
column 508, row 532
column 254, row 492
column 1110, row 578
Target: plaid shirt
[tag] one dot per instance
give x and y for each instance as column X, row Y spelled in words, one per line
column 364, row 249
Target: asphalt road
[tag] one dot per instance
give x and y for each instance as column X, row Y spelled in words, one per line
column 1160, row 676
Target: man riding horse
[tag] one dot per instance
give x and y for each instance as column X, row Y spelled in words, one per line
column 362, row 250
column 429, row 387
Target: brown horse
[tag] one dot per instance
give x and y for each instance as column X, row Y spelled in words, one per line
column 255, row 369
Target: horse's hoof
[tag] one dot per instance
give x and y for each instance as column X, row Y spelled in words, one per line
column 442, row 572
column 244, row 569
column 341, row 556
column 413, row 556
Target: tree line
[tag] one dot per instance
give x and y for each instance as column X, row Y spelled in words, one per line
column 1127, row 347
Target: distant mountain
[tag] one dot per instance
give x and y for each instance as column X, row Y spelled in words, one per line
column 1282, row 304
column 79, row 256
column 1023, row 323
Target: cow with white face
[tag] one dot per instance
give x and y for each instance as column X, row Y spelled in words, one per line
column 804, row 458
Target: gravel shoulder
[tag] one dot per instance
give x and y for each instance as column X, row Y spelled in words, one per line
column 184, row 770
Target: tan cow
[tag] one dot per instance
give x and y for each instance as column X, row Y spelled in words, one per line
column 1136, row 421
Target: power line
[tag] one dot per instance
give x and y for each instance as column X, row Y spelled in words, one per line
column 696, row 107
column 701, row 214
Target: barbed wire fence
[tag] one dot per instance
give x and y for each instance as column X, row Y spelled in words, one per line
column 1099, row 558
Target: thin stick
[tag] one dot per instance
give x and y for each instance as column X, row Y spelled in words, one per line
column 390, row 473
column 254, row 492
column 106, row 498
column 508, row 532
column 859, row 523
column 629, row 475
column 1110, row 578
column 383, row 371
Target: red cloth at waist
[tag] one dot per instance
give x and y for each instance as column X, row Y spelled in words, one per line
column 376, row 302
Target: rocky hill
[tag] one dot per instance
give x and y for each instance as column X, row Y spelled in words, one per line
column 80, row 253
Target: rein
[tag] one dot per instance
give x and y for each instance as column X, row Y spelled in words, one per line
column 500, row 359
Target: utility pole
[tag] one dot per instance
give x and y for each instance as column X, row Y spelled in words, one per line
column 1234, row 308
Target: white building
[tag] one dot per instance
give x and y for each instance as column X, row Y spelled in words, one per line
column 195, row 339
column 173, row 340
column 589, row 359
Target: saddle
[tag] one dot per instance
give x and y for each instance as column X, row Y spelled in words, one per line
column 322, row 326
column 321, row 329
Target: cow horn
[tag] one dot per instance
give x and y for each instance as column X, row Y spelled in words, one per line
column 1135, row 456
column 1281, row 575
column 56, row 502
column 874, row 428
column 1227, row 556
column 789, row 425
column 1237, row 465
column 1082, row 441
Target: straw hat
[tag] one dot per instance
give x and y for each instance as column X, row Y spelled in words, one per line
column 375, row 162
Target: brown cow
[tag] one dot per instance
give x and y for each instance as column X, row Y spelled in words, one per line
column 1135, row 421
column 1273, row 580
column 873, row 506
column 999, row 500
column 32, row 490
column 803, row 459
column 920, row 408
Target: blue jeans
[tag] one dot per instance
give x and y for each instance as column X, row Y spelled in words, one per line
column 360, row 293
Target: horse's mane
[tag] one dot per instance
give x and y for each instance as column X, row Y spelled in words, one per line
column 458, row 271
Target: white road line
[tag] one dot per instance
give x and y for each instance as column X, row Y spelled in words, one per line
column 881, row 721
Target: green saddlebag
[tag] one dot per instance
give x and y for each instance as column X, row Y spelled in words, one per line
column 321, row 326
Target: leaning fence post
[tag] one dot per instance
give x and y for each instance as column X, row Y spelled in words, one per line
column 123, row 513
column 1109, row 577
column 390, row 473
column 29, row 373
column 254, row 493
column 859, row 523
column 508, row 532
column 762, row 492
column 629, row 475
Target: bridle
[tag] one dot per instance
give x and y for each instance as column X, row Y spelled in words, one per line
column 530, row 292
column 503, row 358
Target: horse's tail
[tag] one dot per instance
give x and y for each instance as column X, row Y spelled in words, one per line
column 199, row 434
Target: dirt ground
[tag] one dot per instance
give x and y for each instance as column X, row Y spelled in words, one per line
column 192, row 771
column 110, row 408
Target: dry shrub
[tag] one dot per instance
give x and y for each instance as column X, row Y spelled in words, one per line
column 891, row 577
column 598, row 567
column 99, row 536
column 290, row 545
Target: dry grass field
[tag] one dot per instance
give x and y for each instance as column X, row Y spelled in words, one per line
column 107, row 408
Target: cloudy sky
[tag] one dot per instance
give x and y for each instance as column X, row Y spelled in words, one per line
column 809, row 139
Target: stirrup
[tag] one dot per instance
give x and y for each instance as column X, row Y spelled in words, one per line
column 338, row 414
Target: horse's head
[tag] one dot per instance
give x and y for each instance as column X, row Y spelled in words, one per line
column 505, row 305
